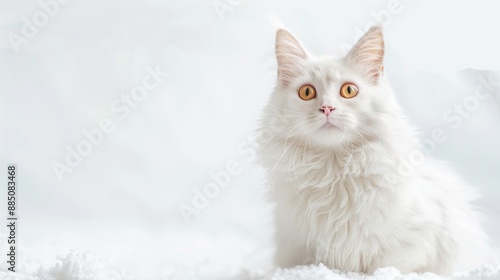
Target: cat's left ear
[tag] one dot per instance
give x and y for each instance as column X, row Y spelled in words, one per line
column 368, row 54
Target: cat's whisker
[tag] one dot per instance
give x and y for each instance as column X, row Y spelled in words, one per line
column 300, row 125
column 286, row 116
column 363, row 139
column 293, row 155
column 296, row 176
column 274, row 171
column 304, row 157
column 341, row 140
column 286, row 148
column 365, row 127
column 286, row 110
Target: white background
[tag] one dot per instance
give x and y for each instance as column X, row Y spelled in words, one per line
column 122, row 202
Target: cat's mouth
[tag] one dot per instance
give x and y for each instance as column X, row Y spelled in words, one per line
column 328, row 125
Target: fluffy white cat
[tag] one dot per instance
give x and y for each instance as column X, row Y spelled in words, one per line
column 341, row 171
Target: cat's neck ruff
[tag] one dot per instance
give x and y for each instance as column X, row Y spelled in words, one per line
column 304, row 166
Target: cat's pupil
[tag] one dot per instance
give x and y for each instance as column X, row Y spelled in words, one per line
column 307, row 91
column 349, row 89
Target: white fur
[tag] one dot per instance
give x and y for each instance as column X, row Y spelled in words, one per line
column 347, row 196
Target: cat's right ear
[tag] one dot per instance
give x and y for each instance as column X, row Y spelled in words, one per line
column 290, row 56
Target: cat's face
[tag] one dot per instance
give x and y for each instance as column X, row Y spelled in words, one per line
column 329, row 101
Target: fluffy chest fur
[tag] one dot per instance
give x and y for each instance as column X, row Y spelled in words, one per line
column 339, row 206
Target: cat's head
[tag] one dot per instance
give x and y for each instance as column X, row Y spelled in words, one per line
column 329, row 101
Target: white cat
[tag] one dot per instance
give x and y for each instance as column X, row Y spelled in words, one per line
column 337, row 165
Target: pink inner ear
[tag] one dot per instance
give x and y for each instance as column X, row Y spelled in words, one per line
column 290, row 55
column 368, row 53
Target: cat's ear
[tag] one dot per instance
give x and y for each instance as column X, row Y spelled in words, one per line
column 290, row 55
column 368, row 54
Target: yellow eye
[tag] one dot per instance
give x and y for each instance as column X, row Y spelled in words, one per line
column 348, row 90
column 307, row 92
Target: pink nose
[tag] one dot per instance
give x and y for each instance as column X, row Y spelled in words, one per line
column 326, row 110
